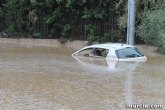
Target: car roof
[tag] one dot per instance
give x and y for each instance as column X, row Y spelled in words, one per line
column 110, row 46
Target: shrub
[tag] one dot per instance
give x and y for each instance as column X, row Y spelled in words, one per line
column 66, row 31
column 107, row 38
column 152, row 29
column 62, row 40
column 90, row 30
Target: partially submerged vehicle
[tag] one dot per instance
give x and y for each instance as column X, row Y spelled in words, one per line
column 112, row 51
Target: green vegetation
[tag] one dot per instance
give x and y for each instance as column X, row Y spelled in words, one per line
column 92, row 20
column 152, row 29
column 63, row 19
column 150, row 22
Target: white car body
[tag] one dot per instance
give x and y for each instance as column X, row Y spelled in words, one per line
column 113, row 51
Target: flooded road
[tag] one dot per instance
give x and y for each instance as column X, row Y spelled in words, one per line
column 43, row 78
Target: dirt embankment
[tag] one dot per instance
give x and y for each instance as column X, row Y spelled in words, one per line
column 76, row 44
column 148, row 50
column 44, row 42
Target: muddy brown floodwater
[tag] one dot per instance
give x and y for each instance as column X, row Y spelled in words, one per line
column 43, row 78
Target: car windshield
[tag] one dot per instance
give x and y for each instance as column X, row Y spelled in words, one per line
column 130, row 52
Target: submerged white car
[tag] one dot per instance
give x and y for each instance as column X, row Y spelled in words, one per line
column 117, row 52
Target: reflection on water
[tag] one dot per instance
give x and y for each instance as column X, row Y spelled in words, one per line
column 102, row 64
column 41, row 78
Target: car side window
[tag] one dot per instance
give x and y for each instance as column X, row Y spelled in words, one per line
column 101, row 52
column 86, row 52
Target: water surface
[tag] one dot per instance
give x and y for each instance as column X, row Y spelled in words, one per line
column 43, row 78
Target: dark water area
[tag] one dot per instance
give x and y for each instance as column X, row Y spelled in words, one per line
column 47, row 78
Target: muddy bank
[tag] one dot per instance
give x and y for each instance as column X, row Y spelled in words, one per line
column 148, row 50
column 76, row 44
column 45, row 42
